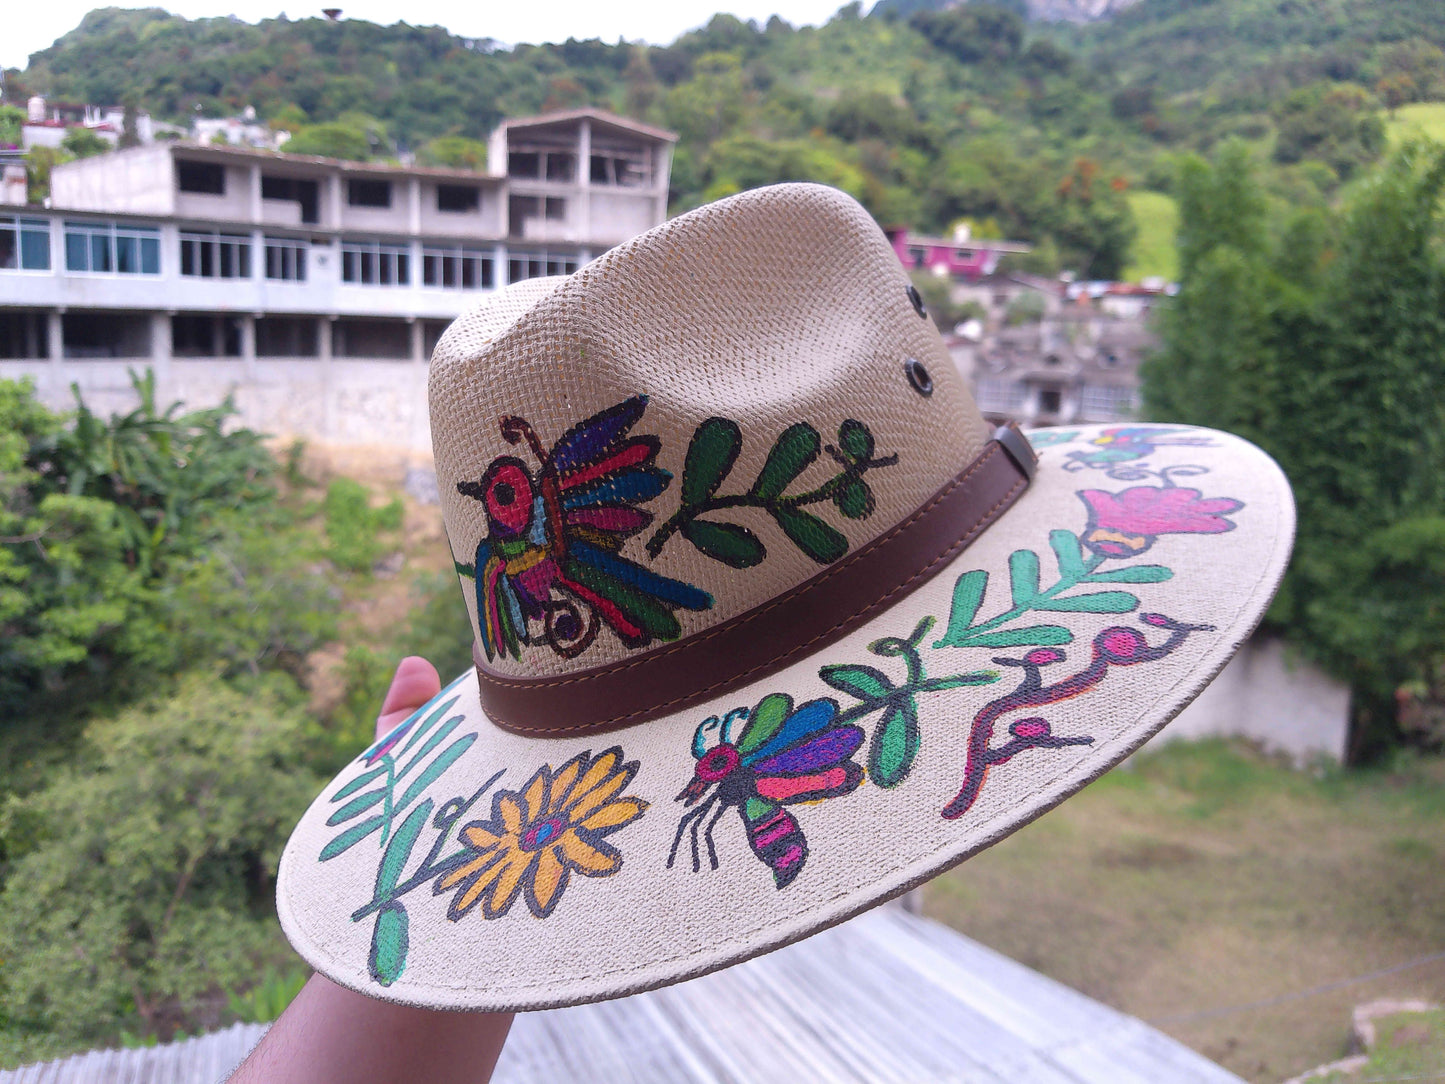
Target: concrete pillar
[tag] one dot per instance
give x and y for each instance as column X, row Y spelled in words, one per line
column 499, row 275
column 584, row 180
column 337, row 195
column 418, row 341
column 328, row 397
column 248, row 346
column 413, row 189
column 258, row 255
column 55, row 338
column 662, row 172
column 255, row 178
column 161, row 346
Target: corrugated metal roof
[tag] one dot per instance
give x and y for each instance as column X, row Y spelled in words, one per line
column 888, row 998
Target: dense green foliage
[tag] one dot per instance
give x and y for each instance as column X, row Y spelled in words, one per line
column 121, row 544
column 140, row 874
column 353, row 527
column 1321, row 336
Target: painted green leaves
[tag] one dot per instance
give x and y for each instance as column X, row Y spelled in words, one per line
column 1026, row 595
column 711, row 456
column 421, row 737
column 895, row 741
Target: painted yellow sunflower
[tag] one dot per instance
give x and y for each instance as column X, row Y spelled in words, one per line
column 538, row 836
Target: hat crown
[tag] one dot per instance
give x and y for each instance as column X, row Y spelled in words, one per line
column 693, row 424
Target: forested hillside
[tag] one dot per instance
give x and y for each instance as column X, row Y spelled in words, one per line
column 1033, row 130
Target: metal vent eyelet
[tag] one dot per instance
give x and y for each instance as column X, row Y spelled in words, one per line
column 918, row 377
column 916, row 300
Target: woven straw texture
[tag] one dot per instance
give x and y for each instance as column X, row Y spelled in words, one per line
column 775, row 307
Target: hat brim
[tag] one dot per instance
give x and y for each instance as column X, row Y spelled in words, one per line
column 456, row 865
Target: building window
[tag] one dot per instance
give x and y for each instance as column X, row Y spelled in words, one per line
column 23, row 335
column 368, row 193
column 536, row 164
column 431, row 334
column 304, row 193
column 361, row 338
column 375, row 263
column 1050, row 400
column 203, row 178
column 216, row 255
column 1000, row 396
column 458, row 198
column 555, row 209
column 286, row 259
column 561, row 166
column 203, row 335
column 24, row 244
column 107, row 247
column 456, row 268
column 1102, row 402
column 105, row 335
column 524, row 164
column 532, row 265
column 624, row 170
column 287, row 337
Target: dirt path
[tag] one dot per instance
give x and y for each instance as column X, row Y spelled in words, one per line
column 1203, row 878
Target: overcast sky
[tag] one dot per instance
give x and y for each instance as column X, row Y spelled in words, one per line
column 29, row 26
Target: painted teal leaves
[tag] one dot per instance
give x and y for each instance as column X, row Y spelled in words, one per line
column 421, row 740
column 711, row 456
column 1026, row 595
column 895, row 741
column 390, row 936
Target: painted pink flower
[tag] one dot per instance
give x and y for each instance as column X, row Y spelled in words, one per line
column 1126, row 524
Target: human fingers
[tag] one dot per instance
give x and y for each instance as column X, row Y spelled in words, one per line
column 414, row 683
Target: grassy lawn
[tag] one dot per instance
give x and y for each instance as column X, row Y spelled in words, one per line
column 1419, row 118
column 1153, row 252
column 1204, row 876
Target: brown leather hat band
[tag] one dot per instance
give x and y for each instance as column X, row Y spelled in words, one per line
column 769, row 637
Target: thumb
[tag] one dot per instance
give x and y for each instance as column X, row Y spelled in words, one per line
column 414, row 683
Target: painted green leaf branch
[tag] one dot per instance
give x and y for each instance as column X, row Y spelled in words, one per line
column 1026, row 595
column 711, row 456
column 420, row 743
column 896, row 738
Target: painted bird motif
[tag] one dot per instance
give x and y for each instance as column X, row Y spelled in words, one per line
column 1126, row 443
column 550, row 566
column 784, row 755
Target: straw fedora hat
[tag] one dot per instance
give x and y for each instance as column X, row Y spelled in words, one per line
column 770, row 624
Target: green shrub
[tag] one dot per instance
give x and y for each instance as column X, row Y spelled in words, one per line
column 141, row 875
column 353, row 526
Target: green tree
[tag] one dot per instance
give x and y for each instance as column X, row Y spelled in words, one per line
column 83, row 143
column 1336, row 124
column 331, row 140
column 141, row 876
column 1324, row 342
column 11, row 118
column 458, row 152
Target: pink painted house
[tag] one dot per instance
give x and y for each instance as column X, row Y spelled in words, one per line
column 961, row 257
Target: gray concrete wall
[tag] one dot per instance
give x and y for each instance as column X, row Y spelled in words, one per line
column 1264, row 694
column 138, row 181
column 345, row 401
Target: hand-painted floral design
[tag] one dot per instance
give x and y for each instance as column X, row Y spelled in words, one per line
column 714, row 449
column 550, row 566
column 1126, row 524
column 539, row 836
column 784, row 755
column 1126, row 444
column 1117, row 645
